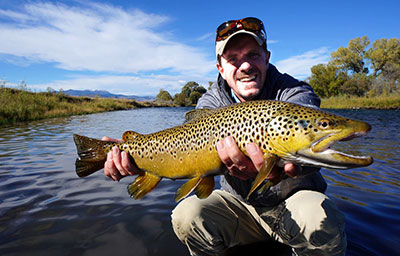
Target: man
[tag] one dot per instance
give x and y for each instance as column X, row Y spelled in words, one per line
column 295, row 211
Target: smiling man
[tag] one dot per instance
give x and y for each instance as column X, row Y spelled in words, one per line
column 243, row 66
column 295, row 211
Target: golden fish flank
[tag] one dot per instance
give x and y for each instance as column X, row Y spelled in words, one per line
column 285, row 132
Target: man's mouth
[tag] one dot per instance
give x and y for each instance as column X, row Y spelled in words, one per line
column 247, row 78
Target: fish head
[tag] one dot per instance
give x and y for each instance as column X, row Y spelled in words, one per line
column 305, row 137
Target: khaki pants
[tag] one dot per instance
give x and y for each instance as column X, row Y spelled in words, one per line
column 307, row 221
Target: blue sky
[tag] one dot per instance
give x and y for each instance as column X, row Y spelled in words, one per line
column 140, row 47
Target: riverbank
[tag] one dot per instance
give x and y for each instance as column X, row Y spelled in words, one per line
column 351, row 102
column 20, row 105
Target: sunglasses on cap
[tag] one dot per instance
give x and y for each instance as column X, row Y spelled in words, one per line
column 229, row 27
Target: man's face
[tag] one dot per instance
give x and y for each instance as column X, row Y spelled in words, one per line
column 244, row 66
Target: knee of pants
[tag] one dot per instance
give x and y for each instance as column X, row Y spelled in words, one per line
column 317, row 218
column 183, row 217
column 202, row 219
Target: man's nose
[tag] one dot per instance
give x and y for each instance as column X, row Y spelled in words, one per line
column 245, row 66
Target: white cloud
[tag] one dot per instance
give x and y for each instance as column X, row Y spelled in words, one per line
column 206, row 37
column 96, row 37
column 122, row 46
column 14, row 15
column 300, row 66
column 272, row 42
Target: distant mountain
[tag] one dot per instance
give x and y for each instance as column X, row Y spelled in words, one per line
column 106, row 94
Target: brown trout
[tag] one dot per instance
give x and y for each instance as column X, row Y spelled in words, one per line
column 285, row 132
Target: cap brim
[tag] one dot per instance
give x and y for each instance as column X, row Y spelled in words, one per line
column 220, row 45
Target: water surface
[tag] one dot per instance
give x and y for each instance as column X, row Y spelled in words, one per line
column 47, row 210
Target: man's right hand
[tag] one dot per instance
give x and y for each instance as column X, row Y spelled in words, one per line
column 245, row 167
column 119, row 164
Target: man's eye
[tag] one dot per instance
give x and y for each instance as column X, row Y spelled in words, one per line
column 254, row 55
column 232, row 59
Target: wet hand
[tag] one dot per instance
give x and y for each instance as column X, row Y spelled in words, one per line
column 119, row 164
column 248, row 167
column 235, row 161
column 292, row 170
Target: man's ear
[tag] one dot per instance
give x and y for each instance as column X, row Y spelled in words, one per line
column 268, row 55
column 221, row 70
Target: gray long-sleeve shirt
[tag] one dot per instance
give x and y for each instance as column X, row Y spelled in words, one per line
column 281, row 87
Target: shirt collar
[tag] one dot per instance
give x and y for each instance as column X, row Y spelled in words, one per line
column 235, row 97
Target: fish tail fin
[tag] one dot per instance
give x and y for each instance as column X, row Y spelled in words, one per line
column 92, row 155
column 85, row 168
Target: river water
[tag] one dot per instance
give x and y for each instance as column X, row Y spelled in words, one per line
column 45, row 209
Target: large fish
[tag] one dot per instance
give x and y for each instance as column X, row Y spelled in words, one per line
column 285, row 132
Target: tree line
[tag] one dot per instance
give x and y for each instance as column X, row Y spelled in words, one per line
column 189, row 95
column 359, row 69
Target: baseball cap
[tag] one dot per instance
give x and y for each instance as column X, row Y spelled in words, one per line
column 229, row 29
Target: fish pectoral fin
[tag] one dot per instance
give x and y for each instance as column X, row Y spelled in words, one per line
column 269, row 162
column 205, row 187
column 265, row 187
column 271, row 183
column 142, row 185
column 187, row 188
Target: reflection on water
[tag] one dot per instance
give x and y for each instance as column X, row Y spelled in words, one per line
column 369, row 196
column 47, row 210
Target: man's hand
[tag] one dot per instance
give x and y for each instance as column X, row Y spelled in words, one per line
column 119, row 164
column 248, row 167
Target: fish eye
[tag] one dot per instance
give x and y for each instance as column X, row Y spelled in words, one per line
column 324, row 123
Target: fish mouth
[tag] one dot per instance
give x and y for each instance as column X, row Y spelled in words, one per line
column 320, row 154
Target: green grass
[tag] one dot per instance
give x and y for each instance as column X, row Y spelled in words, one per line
column 20, row 105
column 350, row 102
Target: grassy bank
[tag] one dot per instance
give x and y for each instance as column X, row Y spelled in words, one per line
column 377, row 102
column 20, row 105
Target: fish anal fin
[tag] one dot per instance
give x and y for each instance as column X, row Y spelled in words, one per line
column 187, row 188
column 129, row 135
column 269, row 162
column 143, row 184
column 205, row 187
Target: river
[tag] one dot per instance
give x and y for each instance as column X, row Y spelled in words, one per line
column 45, row 209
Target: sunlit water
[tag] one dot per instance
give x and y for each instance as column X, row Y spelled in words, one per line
column 45, row 209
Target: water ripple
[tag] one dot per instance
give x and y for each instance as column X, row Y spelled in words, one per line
column 47, row 210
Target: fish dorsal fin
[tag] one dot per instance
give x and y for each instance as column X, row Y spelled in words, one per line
column 130, row 135
column 196, row 114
